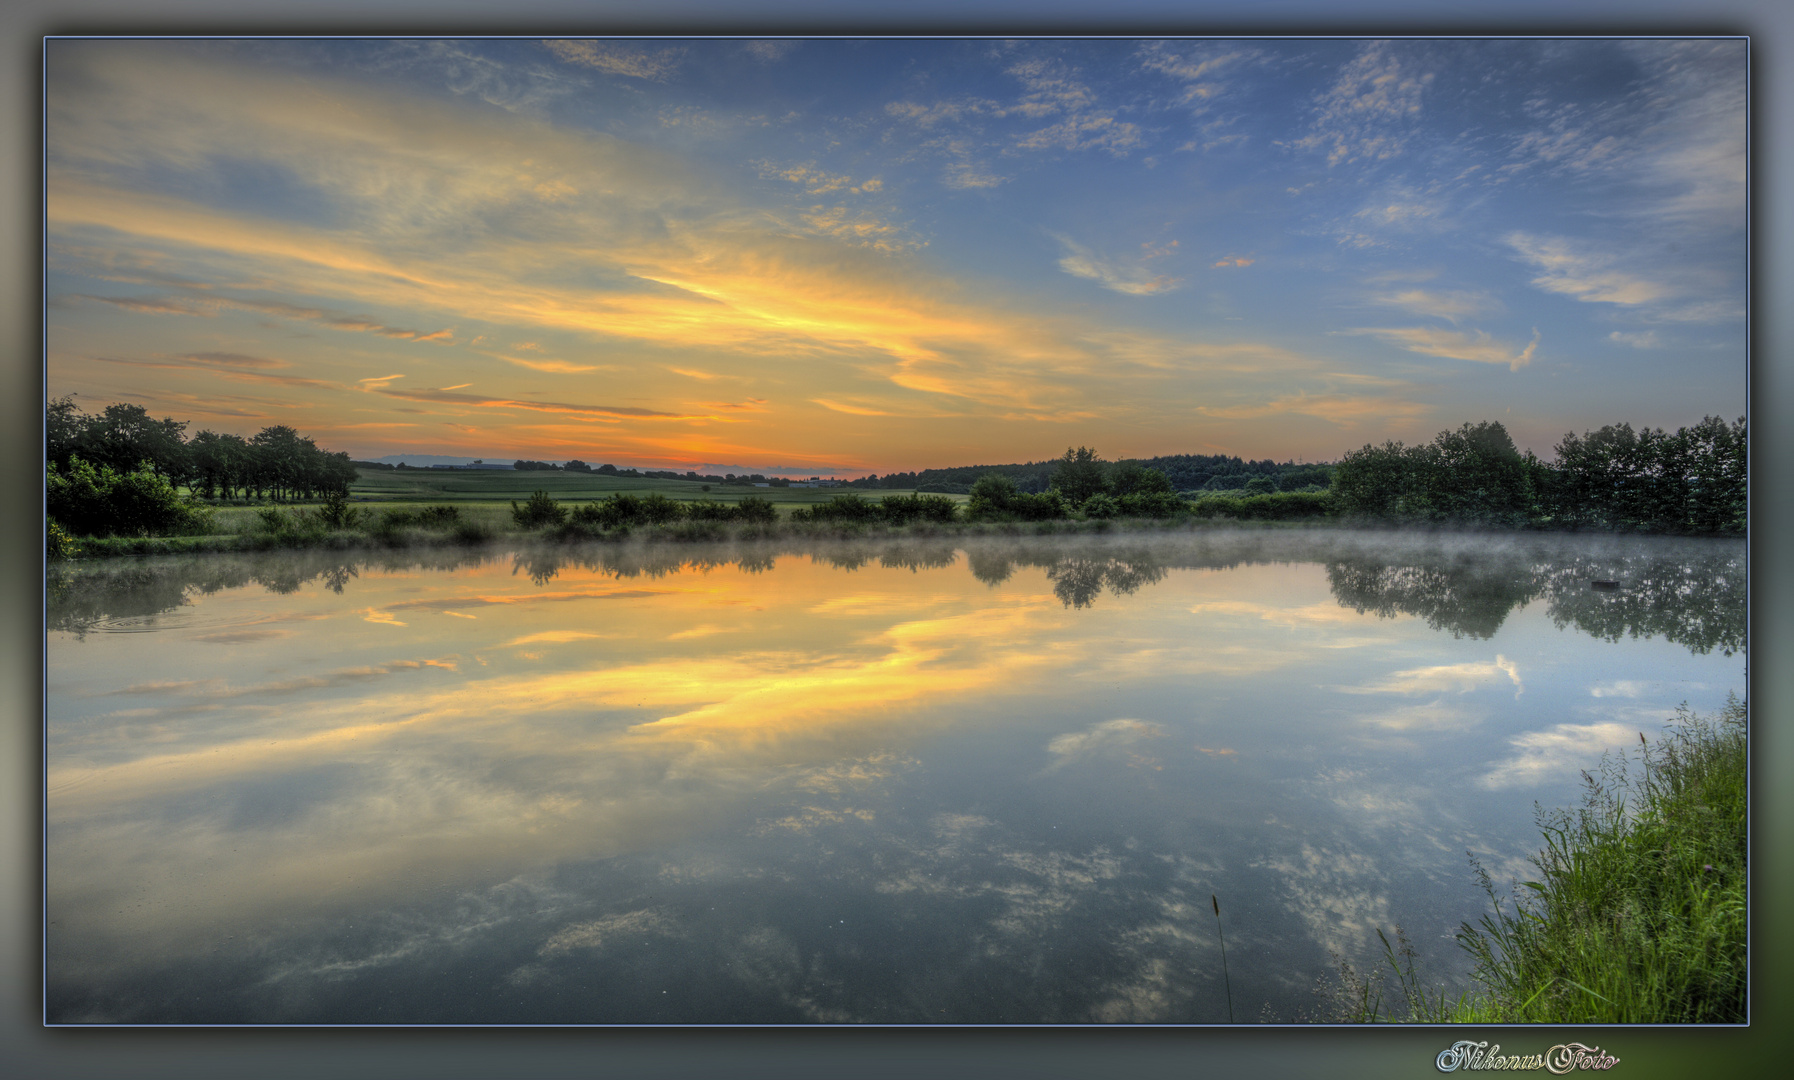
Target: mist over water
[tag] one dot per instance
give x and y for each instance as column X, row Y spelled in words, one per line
column 922, row 781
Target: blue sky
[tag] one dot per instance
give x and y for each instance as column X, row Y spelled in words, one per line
column 865, row 255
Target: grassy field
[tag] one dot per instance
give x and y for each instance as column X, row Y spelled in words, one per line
column 499, row 487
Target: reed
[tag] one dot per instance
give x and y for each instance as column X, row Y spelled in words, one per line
column 1639, row 914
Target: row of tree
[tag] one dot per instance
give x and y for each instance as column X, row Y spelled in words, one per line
column 1690, row 481
column 277, row 462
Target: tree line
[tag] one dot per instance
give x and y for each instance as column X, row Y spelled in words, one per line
column 275, row 463
column 1691, row 481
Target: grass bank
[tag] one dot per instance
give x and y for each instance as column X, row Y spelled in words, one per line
column 409, row 527
column 342, row 524
column 1640, row 911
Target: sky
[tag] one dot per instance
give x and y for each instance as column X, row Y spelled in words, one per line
column 846, row 256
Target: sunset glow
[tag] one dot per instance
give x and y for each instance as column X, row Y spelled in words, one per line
column 841, row 256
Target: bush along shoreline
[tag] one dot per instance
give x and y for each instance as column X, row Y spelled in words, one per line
column 1639, row 914
column 1691, row 482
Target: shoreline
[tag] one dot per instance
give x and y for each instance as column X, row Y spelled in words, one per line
column 471, row 536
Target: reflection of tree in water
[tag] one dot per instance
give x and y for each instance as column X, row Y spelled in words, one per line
column 1691, row 594
column 1469, row 600
column 87, row 597
column 1079, row 575
column 541, row 566
column 1078, row 581
column 1696, row 600
column 336, row 577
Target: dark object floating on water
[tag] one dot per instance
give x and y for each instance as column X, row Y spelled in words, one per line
column 1605, row 585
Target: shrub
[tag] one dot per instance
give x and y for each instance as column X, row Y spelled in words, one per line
column 903, row 509
column 336, row 513
column 90, row 500
column 993, row 497
column 841, row 508
column 1100, row 506
column 438, row 517
column 539, row 511
column 472, row 532
column 657, row 509
column 757, row 508
column 622, row 510
column 619, row 510
column 1043, row 506
column 58, row 544
column 1280, row 506
column 1153, row 504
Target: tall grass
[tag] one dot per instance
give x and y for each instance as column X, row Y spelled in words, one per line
column 1639, row 914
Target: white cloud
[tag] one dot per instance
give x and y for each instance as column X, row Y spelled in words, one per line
column 1135, row 277
column 1109, row 735
column 620, row 58
column 771, row 51
column 1546, row 755
column 1450, row 304
column 1586, row 275
column 1369, row 109
column 1646, row 340
column 1442, row 678
column 1474, row 345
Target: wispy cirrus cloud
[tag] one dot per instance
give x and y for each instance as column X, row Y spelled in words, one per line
column 228, row 365
column 1371, row 107
column 1590, row 276
column 620, row 58
column 1332, row 407
column 1200, row 68
column 1132, row 276
column 445, row 397
column 1451, row 305
column 1474, row 345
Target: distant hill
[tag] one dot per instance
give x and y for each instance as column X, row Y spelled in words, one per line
column 423, row 460
column 1187, row 472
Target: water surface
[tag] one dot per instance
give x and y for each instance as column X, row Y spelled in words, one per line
column 922, row 782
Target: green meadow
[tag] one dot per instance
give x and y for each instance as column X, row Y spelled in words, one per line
column 499, row 486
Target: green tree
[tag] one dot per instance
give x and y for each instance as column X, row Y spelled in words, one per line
column 540, row 510
column 1132, row 478
column 98, row 500
column 1079, row 475
column 993, row 496
column 1479, row 475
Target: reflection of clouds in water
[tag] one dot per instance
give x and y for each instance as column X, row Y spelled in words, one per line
column 241, row 637
column 809, row 818
column 525, row 599
column 1108, row 737
column 767, row 959
column 836, row 776
column 1566, row 748
column 1336, row 894
column 862, row 604
column 1637, row 688
column 593, row 934
column 1308, row 615
column 471, row 917
column 1442, row 678
column 1433, row 716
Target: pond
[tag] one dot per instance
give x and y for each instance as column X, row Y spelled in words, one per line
column 981, row 780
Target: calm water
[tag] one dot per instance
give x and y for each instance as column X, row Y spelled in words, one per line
column 926, row 783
